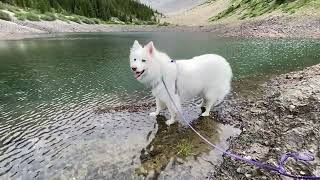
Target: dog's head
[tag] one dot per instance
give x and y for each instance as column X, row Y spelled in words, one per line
column 141, row 59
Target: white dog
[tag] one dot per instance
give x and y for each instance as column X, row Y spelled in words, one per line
column 208, row 76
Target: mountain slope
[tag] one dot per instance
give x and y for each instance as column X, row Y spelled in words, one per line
column 197, row 16
column 245, row 9
column 233, row 11
column 125, row 10
column 172, row 6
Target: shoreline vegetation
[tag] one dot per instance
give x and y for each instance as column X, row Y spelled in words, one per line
column 234, row 18
column 82, row 11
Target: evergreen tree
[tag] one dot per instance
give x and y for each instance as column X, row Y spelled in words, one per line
column 125, row 10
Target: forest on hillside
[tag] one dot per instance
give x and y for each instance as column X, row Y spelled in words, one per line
column 125, row 10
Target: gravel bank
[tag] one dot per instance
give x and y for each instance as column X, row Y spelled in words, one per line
column 284, row 118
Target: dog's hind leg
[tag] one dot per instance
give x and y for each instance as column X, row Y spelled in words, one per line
column 212, row 101
column 208, row 107
column 159, row 106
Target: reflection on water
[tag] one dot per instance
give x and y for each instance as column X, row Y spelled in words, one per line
column 176, row 142
column 51, row 88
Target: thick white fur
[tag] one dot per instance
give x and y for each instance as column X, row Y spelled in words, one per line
column 208, row 76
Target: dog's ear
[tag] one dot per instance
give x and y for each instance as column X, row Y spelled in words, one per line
column 135, row 46
column 150, row 48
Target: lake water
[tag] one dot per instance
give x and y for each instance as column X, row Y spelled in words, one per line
column 50, row 89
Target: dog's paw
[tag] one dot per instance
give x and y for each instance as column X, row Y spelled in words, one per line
column 170, row 121
column 154, row 114
column 205, row 114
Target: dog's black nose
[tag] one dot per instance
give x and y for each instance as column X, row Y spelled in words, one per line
column 134, row 69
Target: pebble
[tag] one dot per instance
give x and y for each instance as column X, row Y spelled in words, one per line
column 290, row 116
column 239, row 170
column 151, row 175
column 248, row 157
column 312, row 150
column 151, row 148
column 292, row 107
column 142, row 170
column 179, row 160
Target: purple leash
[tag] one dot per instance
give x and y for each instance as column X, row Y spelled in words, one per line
column 279, row 169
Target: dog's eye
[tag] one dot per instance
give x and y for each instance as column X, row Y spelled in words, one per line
column 143, row 60
column 134, row 59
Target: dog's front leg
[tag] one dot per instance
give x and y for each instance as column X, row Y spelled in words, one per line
column 173, row 115
column 159, row 107
column 173, row 110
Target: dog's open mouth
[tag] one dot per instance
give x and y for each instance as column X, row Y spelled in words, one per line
column 138, row 74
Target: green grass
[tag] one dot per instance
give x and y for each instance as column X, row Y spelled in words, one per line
column 21, row 16
column 5, row 16
column 2, row 6
column 228, row 12
column 292, row 7
column 96, row 21
column 184, row 149
column 32, row 17
column 62, row 18
column 164, row 24
column 87, row 20
column 8, row 7
column 74, row 19
column 48, row 17
column 252, row 8
column 12, row 8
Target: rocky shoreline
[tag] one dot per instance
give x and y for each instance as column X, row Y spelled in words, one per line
column 284, row 118
column 275, row 27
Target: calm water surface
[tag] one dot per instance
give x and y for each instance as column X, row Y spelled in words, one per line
column 50, row 88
